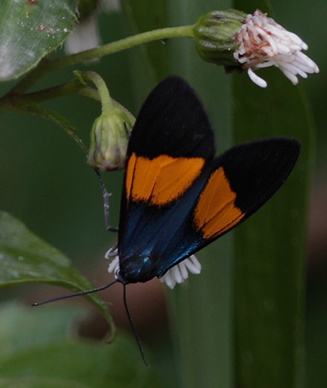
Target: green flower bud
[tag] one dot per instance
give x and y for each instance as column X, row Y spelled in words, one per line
column 215, row 35
column 109, row 139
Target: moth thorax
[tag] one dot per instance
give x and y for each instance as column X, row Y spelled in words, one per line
column 137, row 269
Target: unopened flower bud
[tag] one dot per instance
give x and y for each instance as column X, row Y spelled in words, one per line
column 215, row 36
column 109, row 139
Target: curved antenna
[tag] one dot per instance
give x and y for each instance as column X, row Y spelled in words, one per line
column 138, row 341
column 76, row 294
column 137, row 338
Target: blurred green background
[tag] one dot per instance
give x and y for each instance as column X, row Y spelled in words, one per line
column 46, row 183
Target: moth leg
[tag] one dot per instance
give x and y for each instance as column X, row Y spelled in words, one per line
column 106, row 197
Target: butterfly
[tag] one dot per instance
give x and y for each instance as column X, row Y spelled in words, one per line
column 177, row 196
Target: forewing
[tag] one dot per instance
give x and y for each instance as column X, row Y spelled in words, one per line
column 170, row 144
column 172, row 121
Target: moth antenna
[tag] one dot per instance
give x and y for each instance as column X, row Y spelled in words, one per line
column 76, row 294
column 138, row 341
column 106, row 197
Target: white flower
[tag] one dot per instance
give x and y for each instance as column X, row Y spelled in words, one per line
column 114, row 265
column 265, row 43
column 112, row 254
column 179, row 272
column 174, row 275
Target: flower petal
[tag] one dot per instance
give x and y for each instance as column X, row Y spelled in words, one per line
column 180, row 272
column 264, row 43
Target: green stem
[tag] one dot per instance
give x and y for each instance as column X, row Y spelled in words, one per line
column 17, row 101
column 11, row 101
column 107, row 104
column 48, row 66
column 102, row 94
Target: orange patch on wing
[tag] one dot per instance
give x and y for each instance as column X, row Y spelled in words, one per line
column 215, row 212
column 161, row 180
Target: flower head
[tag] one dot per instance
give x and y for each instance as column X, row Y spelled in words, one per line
column 264, row 43
column 177, row 274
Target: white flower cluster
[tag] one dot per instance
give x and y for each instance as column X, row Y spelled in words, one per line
column 174, row 275
column 265, row 43
column 179, row 272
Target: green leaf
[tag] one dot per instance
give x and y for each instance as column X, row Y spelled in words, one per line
column 37, row 383
column 31, row 29
column 25, row 258
column 39, row 358
column 38, row 329
column 91, row 365
column 270, row 247
column 31, row 382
